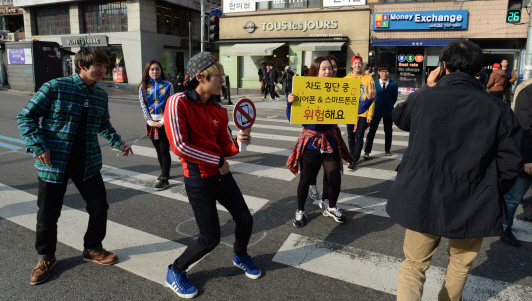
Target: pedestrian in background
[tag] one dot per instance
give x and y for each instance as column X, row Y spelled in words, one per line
column 72, row 111
column 317, row 145
column 366, row 107
column 180, row 82
column 497, row 81
column 154, row 90
column 305, row 71
column 387, row 92
column 514, row 197
column 369, row 70
column 334, row 63
column 263, row 71
column 511, row 77
column 273, row 80
column 200, row 136
column 286, row 80
column 462, row 157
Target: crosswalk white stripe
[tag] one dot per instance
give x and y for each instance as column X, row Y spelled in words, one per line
column 346, row 201
column 144, row 183
column 139, row 252
column 379, row 271
column 277, row 172
column 280, row 120
column 294, row 138
column 377, row 206
column 294, row 128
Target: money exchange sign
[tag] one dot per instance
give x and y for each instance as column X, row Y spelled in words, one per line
column 325, row 100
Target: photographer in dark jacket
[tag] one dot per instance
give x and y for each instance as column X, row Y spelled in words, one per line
column 462, row 157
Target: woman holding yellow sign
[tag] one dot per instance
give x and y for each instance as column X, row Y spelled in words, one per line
column 318, row 144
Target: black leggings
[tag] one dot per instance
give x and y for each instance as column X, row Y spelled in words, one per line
column 162, row 147
column 311, row 163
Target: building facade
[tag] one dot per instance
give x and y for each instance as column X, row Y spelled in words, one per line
column 291, row 34
column 132, row 32
column 408, row 35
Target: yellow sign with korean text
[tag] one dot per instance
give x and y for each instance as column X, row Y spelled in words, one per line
column 325, row 100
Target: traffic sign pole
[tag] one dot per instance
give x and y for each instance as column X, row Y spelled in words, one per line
column 244, row 117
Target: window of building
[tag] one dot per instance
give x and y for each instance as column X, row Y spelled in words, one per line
column 52, row 20
column 314, row 3
column 399, row 1
column 173, row 20
column 282, row 4
column 105, row 16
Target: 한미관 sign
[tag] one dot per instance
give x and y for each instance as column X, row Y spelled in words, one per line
column 420, row 20
column 84, row 41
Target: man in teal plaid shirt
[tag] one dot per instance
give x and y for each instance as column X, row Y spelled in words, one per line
column 72, row 111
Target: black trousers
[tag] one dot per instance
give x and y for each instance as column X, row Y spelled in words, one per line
column 355, row 140
column 162, row 147
column 498, row 94
column 50, row 201
column 374, row 125
column 311, row 163
column 203, row 201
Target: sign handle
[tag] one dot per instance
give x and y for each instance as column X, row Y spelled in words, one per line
column 242, row 146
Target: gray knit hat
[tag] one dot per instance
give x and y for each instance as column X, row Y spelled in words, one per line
column 198, row 63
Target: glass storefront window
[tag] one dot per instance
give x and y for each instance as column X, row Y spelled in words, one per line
column 116, row 55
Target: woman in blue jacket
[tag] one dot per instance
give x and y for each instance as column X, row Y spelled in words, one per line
column 154, row 90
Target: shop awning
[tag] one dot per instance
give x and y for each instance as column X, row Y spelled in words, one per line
column 258, row 49
column 408, row 42
column 320, row 46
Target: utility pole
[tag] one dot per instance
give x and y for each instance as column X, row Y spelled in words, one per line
column 189, row 40
column 202, row 18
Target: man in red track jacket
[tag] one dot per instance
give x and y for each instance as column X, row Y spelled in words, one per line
column 197, row 128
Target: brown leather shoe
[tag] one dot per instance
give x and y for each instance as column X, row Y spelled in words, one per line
column 41, row 271
column 103, row 257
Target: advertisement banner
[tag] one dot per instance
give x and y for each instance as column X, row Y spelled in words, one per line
column 420, row 20
column 19, row 56
column 325, row 100
column 410, row 67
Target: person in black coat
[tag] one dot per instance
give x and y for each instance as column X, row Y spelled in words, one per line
column 523, row 111
column 272, row 80
column 263, row 71
column 462, row 157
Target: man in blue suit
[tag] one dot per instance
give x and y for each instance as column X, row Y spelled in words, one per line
column 386, row 98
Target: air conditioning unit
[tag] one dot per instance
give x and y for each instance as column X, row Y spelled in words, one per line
column 12, row 36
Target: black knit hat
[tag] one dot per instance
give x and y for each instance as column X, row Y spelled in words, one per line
column 198, row 63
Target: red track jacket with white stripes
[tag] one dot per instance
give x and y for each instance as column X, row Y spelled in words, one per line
column 199, row 134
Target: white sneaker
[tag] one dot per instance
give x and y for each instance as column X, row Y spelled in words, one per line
column 324, row 204
column 336, row 214
column 313, row 192
column 301, row 219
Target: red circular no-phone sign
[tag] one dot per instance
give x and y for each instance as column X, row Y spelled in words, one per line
column 244, row 114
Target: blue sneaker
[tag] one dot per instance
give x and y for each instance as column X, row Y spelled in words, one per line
column 247, row 264
column 180, row 284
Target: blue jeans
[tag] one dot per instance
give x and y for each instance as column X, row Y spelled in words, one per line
column 286, row 97
column 514, row 197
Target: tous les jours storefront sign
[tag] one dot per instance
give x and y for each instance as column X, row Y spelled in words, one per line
column 304, row 26
column 323, row 24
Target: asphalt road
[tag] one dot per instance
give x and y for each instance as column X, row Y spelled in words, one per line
column 322, row 261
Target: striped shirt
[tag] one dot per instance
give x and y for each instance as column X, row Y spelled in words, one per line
column 58, row 104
